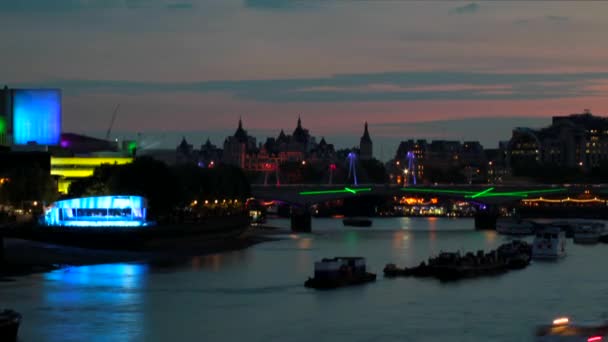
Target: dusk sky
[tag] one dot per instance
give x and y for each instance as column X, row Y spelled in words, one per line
column 411, row 69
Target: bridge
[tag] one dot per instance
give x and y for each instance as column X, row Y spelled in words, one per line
column 301, row 196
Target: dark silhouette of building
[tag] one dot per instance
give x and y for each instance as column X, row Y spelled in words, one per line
column 576, row 140
column 366, row 145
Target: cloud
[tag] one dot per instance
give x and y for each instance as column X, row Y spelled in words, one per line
column 470, row 8
column 545, row 19
column 180, row 5
column 277, row 5
column 369, row 87
column 30, row 6
column 556, row 18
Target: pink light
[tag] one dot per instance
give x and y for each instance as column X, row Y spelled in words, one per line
column 332, row 166
column 594, row 339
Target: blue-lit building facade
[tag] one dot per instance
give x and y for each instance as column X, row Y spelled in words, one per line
column 98, row 211
column 30, row 117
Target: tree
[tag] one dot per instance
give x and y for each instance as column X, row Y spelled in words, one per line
column 29, row 184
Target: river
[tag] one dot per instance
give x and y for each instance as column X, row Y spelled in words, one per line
column 257, row 294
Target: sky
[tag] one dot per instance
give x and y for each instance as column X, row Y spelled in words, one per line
column 413, row 70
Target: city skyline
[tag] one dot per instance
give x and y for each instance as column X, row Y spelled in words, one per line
column 439, row 70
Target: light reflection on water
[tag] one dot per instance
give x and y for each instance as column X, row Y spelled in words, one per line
column 104, row 299
column 257, row 294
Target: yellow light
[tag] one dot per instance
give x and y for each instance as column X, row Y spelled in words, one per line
column 35, row 203
column 195, row 202
column 206, row 202
column 561, row 321
column 215, row 201
column 63, row 185
column 72, row 173
column 89, row 161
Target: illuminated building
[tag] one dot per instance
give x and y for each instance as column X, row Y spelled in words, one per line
column 576, row 140
column 36, row 116
column 30, row 117
column 70, row 168
column 100, row 211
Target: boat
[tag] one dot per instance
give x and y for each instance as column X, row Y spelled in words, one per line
column 453, row 266
column 549, row 243
column 569, row 227
column 516, row 253
column 9, row 325
column 588, row 233
column 338, row 272
column 357, row 222
column 563, row 330
column 515, row 227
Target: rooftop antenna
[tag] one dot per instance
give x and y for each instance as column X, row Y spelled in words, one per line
column 112, row 121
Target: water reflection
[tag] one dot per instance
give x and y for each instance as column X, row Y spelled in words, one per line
column 113, row 292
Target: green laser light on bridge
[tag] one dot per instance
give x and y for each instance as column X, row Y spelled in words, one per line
column 489, row 192
column 353, row 191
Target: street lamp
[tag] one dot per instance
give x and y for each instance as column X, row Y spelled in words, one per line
column 405, row 172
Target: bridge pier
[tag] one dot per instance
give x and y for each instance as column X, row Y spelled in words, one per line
column 301, row 219
column 485, row 219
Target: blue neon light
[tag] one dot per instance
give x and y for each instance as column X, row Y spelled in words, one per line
column 100, row 211
column 36, row 116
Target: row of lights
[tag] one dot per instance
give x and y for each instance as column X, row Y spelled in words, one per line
column 195, row 202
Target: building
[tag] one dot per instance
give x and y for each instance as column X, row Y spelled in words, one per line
column 576, row 140
column 366, row 145
column 30, row 119
column 439, row 159
column 238, row 146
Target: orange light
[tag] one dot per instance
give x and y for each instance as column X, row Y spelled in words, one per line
column 561, row 321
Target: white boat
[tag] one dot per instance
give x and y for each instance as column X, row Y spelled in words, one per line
column 588, row 232
column 562, row 330
column 515, row 227
column 549, row 243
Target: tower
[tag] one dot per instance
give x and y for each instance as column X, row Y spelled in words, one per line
column 366, row 145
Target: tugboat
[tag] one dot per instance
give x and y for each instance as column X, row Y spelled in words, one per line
column 549, row 243
column 338, row 272
column 357, row 222
column 9, row 325
column 564, row 330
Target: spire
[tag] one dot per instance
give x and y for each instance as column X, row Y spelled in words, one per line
column 299, row 122
column 240, row 133
column 366, row 138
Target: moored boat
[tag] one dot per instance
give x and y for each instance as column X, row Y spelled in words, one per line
column 9, row 325
column 454, row 266
column 357, row 222
column 549, row 243
column 515, row 227
column 339, row 272
column 588, row 233
column 562, row 330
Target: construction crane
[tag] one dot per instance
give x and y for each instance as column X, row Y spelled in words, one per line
column 112, row 121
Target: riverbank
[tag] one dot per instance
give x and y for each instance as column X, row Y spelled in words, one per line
column 23, row 257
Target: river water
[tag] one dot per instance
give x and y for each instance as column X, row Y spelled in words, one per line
column 257, row 294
